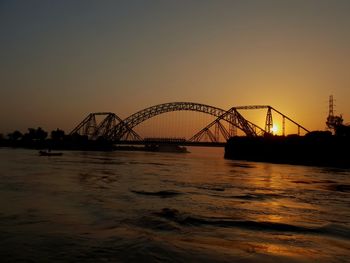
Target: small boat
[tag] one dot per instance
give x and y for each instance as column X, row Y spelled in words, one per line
column 47, row 153
column 171, row 148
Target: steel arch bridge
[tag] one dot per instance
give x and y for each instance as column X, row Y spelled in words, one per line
column 233, row 117
column 115, row 129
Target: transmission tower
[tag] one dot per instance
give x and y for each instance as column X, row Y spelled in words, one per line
column 333, row 121
column 331, row 105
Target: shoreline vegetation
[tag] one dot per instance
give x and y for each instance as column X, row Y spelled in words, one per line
column 37, row 139
column 317, row 148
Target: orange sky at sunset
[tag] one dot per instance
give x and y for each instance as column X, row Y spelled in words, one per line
column 61, row 60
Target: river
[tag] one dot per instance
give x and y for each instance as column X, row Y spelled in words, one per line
column 168, row 207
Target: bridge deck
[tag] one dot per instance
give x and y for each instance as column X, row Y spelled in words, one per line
column 184, row 143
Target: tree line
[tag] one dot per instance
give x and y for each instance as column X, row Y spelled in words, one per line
column 34, row 134
column 57, row 139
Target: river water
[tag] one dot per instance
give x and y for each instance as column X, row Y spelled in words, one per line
column 168, row 207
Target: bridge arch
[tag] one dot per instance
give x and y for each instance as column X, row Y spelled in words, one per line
column 231, row 116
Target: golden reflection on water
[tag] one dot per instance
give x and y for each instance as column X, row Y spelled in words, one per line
column 237, row 208
column 300, row 253
column 264, row 251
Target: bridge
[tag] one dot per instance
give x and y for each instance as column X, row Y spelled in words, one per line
column 226, row 123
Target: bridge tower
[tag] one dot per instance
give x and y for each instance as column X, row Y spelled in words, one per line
column 269, row 122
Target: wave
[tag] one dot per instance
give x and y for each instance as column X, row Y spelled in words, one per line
column 190, row 220
column 248, row 197
column 163, row 193
column 212, row 188
column 242, row 165
column 329, row 185
column 338, row 187
column 254, row 197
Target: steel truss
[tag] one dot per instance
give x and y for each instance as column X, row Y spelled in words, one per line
column 113, row 128
column 269, row 121
column 233, row 117
column 220, row 129
column 93, row 130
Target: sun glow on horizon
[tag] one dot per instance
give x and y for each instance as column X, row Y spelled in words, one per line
column 274, row 129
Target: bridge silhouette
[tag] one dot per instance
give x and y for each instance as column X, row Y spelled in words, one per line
column 111, row 127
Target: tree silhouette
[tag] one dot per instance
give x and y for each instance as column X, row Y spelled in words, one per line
column 30, row 135
column 14, row 136
column 41, row 134
column 35, row 134
column 57, row 135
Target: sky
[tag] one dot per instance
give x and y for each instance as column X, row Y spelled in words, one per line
column 61, row 60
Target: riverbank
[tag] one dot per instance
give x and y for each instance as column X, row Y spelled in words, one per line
column 90, row 145
column 69, row 145
column 315, row 148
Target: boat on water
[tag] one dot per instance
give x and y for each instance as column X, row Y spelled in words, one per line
column 171, row 148
column 48, row 153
